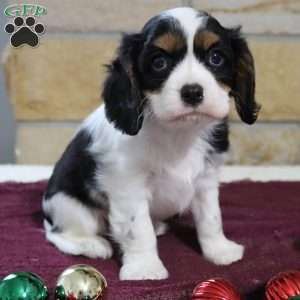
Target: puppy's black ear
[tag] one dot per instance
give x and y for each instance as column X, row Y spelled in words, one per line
column 122, row 96
column 243, row 89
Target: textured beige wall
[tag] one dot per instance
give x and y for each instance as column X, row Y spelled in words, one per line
column 54, row 86
column 59, row 80
column 70, row 87
column 257, row 16
column 44, row 142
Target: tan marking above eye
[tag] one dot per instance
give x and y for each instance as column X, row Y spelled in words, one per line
column 170, row 42
column 226, row 87
column 205, row 39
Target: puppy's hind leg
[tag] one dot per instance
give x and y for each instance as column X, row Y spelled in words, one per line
column 90, row 246
column 75, row 228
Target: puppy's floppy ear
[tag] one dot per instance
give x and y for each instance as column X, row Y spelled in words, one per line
column 243, row 89
column 121, row 93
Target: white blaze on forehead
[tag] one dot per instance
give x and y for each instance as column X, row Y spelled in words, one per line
column 189, row 19
column 167, row 104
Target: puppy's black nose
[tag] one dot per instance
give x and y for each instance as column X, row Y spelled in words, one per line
column 192, row 94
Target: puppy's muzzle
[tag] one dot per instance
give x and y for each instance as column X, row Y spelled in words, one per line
column 192, row 94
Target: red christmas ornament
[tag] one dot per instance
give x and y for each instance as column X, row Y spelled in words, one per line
column 284, row 286
column 215, row 289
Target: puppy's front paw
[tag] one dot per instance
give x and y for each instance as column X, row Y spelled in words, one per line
column 222, row 251
column 144, row 269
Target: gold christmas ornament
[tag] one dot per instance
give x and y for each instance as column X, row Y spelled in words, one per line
column 80, row 282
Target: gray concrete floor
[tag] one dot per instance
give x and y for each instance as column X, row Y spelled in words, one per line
column 7, row 123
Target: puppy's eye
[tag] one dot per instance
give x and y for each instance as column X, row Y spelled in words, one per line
column 159, row 64
column 216, row 59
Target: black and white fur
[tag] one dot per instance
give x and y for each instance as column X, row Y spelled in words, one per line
column 154, row 149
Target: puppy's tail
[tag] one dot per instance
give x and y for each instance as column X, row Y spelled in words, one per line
column 71, row 243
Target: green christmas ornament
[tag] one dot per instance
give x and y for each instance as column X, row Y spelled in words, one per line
column 23, row 286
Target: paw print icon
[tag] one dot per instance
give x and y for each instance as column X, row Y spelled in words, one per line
column 24, row 32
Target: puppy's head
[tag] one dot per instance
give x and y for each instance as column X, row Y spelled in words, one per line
column 182, row 68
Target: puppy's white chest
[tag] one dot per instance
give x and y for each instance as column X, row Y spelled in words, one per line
column 172, row 192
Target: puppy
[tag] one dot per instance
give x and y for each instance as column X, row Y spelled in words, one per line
column 154, row 148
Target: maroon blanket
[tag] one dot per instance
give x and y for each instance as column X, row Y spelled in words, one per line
column 265, row 217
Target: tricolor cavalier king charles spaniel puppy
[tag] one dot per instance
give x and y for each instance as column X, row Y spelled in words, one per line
column 154, row 148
